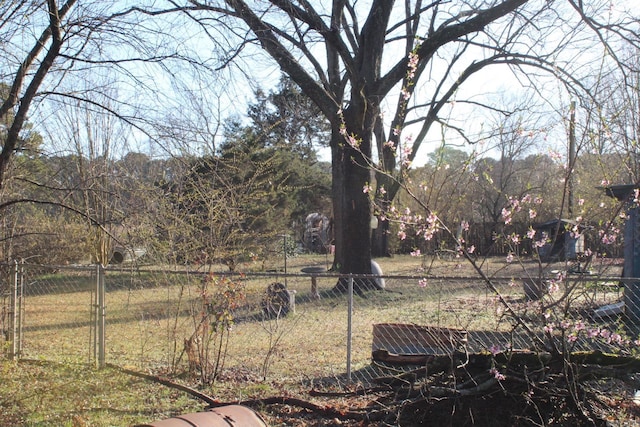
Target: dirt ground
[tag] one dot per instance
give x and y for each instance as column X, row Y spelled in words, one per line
column 608, row 403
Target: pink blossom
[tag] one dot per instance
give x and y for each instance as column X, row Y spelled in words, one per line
column 616, row 338
column 516, row 206
column 422, row 282
column 412, row 65
column 496, row 374
column 593, row 332
column 413, row 60
column 428, row 234
column 506, row 215
column 608, row 239
column 555, row 155
column 353, row 141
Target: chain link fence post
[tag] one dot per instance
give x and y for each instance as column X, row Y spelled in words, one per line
column 100, row 317
column 93, row 329
column 13, row 314
column 349, row 326
column 16, row 311
column 21, row 307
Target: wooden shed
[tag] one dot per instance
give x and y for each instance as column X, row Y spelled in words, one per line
column 563, row 244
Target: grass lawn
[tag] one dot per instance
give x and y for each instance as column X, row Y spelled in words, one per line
column 34, row 393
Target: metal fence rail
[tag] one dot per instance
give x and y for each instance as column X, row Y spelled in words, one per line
column 295, row 326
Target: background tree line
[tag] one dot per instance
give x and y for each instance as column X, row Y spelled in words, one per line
column 236, row 202
column 231, row 203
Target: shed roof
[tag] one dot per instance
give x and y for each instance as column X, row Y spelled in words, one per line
column 619, row 191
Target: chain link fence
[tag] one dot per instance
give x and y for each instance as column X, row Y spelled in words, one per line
column 49, row 312
column 308, row 326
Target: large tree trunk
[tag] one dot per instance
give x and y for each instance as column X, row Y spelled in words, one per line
column 351, row 210
column 351, row 205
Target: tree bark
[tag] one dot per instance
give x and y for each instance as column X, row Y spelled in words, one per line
column 351, row 204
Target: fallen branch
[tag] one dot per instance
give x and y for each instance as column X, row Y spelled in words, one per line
column 164, row 381
column 325, row 411
column 358, row 392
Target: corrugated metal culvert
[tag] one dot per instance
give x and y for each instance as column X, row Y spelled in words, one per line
column 224, row 416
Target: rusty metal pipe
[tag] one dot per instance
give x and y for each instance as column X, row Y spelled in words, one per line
column 224, row 416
